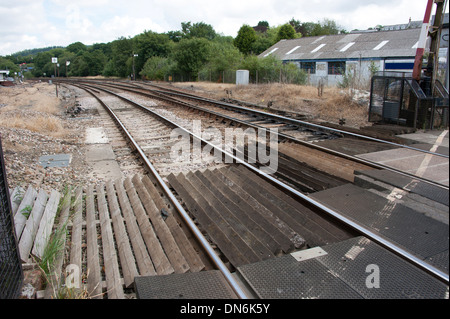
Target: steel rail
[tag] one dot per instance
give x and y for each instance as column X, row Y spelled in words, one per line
column 291, row 121
column 361, row 229
column 287, row 137
column 303, row 123
column 197, row 233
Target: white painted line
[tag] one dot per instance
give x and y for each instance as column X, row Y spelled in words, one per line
column 426, row 161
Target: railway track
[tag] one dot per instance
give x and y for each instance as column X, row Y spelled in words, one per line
column 293, row 133
column 237, row 214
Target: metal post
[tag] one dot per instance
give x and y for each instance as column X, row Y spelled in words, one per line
column 134, row 71
column 417, row 71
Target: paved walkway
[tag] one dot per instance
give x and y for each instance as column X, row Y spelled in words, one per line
column 432, row 167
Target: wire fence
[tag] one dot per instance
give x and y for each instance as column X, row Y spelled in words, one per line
column 11, row 275
column 286, row 76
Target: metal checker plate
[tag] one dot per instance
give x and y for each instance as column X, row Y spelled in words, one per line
column 341, row 273
column 414, row 231
column 201, row 285
column 415, row 186
column 439, row 261
column 286, row 278
column 397, row 278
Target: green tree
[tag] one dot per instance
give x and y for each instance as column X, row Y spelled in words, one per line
column 6, row 64
column 263, row 24
column 197, row 30
column 262, row 43
column 156, row 68
column 296, row 24
column 149, row 44
column 95, row 61
column 326, row 27
column 190, row 55
column 245, row 39
column 43, row 62
column 122, row 51
column 224, row 56
column 286, row 31
column 76, row 48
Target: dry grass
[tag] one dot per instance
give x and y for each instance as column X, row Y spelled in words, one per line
column 33, row 108
column 333, row 105
column 39, row 123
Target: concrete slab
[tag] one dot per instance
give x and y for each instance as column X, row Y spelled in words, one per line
column 102, row 160
column 424, row 165
column 429, row 137
column 56, row 160
column 96, row 135
column 99, row 152
column 106, row 170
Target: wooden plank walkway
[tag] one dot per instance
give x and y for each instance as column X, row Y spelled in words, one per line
column 114, row 232
column 248, row 218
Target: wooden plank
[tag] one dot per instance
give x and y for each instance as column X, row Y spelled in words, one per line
column 245, row 214
column 160, row 261
column 25, row 207
column 46, row 224
column 321, row 225
column 31, row 227
column 110, row 262
column 169, row 244
column 127, row 260
column 143, row 259
column 250, row 246
column 16, row 198
column 218, row 232
column 289, row 224
column 94, row 277
column 77, row 230
column 188, row 251
column 253, row 209
column 322, row 161
column 56, row 278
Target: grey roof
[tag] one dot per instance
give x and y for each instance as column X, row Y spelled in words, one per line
column 383, row 44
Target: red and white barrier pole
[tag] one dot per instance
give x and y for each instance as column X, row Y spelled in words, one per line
column 417, row 71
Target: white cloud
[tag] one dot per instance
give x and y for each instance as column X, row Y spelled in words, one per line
column 39, row 23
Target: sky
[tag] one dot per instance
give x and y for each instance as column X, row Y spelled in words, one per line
column 28, row 24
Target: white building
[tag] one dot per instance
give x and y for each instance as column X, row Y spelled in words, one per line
column 4, row 75
column 329, row 58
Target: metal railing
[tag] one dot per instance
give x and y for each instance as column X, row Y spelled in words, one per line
column 11, row 274
column 397, row 98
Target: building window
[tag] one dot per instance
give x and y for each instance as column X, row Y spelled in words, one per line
column 308, row 67
column 336, row 68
